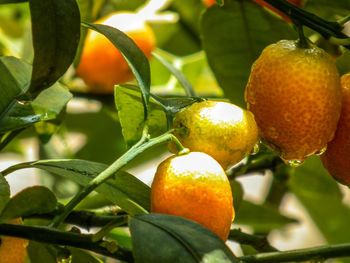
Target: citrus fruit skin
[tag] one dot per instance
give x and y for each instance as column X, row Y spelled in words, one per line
column 13, row 250
column 295, row 96
column 336, row 157
column 101, row 65
column 223, row 130
column 196, row 187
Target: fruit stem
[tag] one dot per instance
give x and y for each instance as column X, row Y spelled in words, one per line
column 181, row 149
column 340, row 41
column 143, row 144
column 302, row 41
column 324, row 27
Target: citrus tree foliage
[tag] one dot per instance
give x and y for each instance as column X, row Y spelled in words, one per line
column 88, row 142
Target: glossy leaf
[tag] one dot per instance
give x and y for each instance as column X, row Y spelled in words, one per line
column 321, row 196
column 15, row 78
column 4, row 192
column 133, row 55
column 56, row 34
column 261, row 218
column 46, row 106
column 30, row 201
column 233, row 37
column 175, row 239
column 125, row 190
column 131, row 114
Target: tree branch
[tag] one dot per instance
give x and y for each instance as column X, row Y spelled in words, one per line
column 259, row 243
column 326, row 28
column 318, row 253
column 53, row 236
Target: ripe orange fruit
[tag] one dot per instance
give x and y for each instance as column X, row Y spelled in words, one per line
column 101, row 64
column 13, row 250
column 298, row 3
column 208, row 2
column 223, row 130
column 196, row 187
column 295, row 96
column 336, row 157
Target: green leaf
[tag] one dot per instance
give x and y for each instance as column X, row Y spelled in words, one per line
column 80, row 256
column 261, row 218
column 321, row 196
column 12, row 1
column 122, row 236
column 131, row 114
column 133, row 55
column 125, row 190
column 174, row 105
column 30, row 201
column 175, row 239
column 328, row 9
column 4, row 192
column 56, row 34
column 46, row 106
column 39, row 252
column 343, row 64
column 15, row 78
column 158, row 54
column 237, row 193
column 233, row 37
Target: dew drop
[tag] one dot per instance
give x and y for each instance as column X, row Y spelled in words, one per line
column 320, row 152
column 256, row 149
column 293, row 163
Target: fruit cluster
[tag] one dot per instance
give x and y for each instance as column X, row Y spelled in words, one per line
column 294, row 100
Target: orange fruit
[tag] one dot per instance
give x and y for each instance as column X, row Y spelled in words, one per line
column 101, row 65
column 298, row 3
column 223, row 130
column 208, row 2
column 196, row 187
column 295, row 96
column 13, row 250
column 336, row 157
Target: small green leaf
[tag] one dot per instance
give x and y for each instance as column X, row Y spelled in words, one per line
column 56, row 34
column 30, row 201
column 40, row 252
column 15, row 78
column 80, row 256
column 125, row 190
column 131, row 114
column 158, row 54
column 175, row 239
column 343, row 64
column 261, row 218
column 46, row 106
column 4, row 192
column 233, row 37
column 122, row 236
column 237, row 193
column 133, row 55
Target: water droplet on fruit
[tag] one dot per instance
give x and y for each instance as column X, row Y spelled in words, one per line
column 272, row 133
column 293, row 163
column 256, row 149
column 320, row 152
